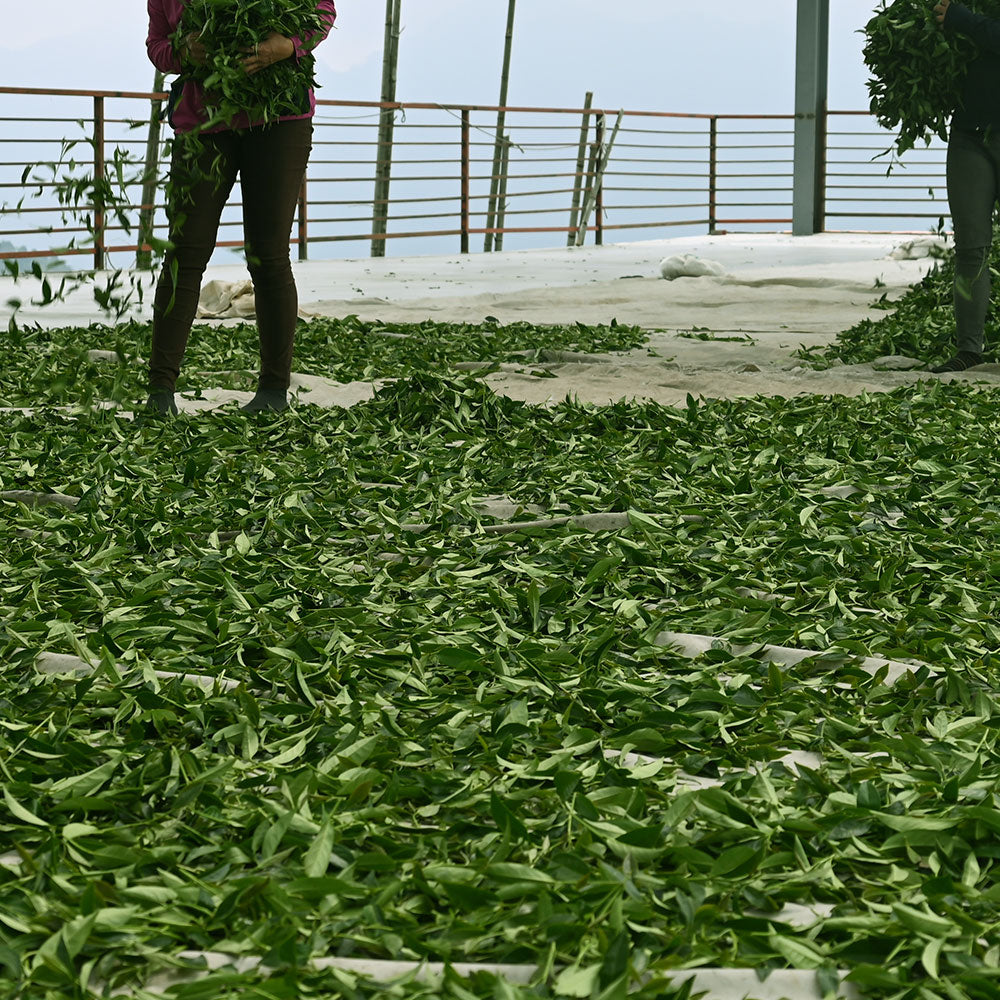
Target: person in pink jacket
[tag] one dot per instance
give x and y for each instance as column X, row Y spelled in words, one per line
column 270, row 159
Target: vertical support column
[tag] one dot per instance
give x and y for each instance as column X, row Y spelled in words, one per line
column 466, row 157
column 98, row 183
column 811, row 74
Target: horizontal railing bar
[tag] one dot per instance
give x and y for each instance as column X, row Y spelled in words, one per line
column 757, row 161
column 385, row 236
column 21, row 119
column 753, row 222
column 526, row 194
column 656, row 154
column 46, row 232
column 863, row 163
column 881, row 177
column 415, row 105
column 867, row 187
column 881, row 201
column 658, row 225
column 844, row 214
column 648, row 208
column 367, row 218
column 647, row 173
column 670, row 190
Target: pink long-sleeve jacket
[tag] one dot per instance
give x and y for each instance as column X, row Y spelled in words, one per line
column 189, row 112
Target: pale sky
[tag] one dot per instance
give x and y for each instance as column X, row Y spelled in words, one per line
column 724, row 56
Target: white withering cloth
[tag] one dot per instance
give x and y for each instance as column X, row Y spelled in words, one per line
column 226, row 300
column 231, row 300
column 927, row 246
column 689, row 266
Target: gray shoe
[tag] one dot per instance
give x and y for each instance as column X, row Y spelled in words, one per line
column 267, row 399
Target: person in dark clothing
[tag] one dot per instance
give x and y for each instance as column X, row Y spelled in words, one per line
column 270, row 159
column 973, row 180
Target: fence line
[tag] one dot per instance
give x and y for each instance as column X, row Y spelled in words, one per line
column 666, row 170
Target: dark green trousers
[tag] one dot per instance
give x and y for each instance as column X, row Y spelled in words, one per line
column 270, row 162
column 973, row 191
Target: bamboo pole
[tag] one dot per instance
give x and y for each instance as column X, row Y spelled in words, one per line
column 600, row 156
column 499, row 145
column 502, row 194
column 581, row 163
column 383, row 159
column 147, row 211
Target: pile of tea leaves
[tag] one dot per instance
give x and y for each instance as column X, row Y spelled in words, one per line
column 917, row 68
column 228, row 29
column 431, row 732
column 53, row 365
column 919, row 324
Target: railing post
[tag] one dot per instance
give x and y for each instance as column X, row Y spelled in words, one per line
column 303, row 222
column 466, row 157
column 824, row 140
column 713, row 172
column 98, row 183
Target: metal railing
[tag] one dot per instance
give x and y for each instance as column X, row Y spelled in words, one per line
column 568, row 173
column 856, row 184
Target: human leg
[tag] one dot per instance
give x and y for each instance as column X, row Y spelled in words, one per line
column 200, row 183
column 272, row 165
column 972, row 194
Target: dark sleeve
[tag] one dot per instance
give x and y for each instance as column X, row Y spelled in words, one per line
column 328, row 14
column 161, row 52
column 983, row 30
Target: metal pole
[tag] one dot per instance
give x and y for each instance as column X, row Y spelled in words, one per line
column 811, row 75
column 147, row 211
column 499, row 147
column 466, row 145
column 581, row 162
column 98, row 183
column 713, row 172
column 383, row 162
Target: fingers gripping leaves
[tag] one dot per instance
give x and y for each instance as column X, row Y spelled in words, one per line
column 248, row 65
